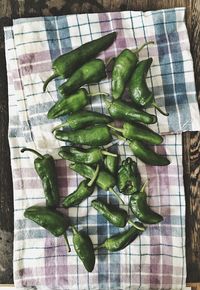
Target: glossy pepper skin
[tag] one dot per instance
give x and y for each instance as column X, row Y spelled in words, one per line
column 45, row 168
column 69, row 105
column 129, row 180
column 84, row 249
column 67, row 63
column 141, row 210
column 111, row 164
column 104, row 180
column 115, row 215
column 53, row 221
column 91, row 72
column 98, row 135
column 83, row 119
column 139, row 132
column 147, row 155
column 84, row 190
column 124, row 111
column 80, row 155
column 123, row 239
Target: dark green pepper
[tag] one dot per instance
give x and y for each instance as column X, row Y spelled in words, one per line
column 67, row 63
column 45, row 168
column 91, row 72
column 111, row 163
column 139, row 132
column 84, row 249
column 98, row 135
column 53, row 221
column 123, row 68
column 123, row 239
column 138, row 89
column 72, row 104
column 80, row 155
column 141, row 210
column 124, row 111
column 84, row 190
column 115, row 215
column 129, row 180
column 83, row 119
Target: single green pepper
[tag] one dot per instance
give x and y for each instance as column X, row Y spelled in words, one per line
column 84, row 249
column 123, row 68
column 115, row 215
column 91, row 72
column 98, row 135
column 111, row 163
column 84, row 190
column 67, row 63
column 138, row 89
column 53, row 221
column 72, row 104
column 80, row 155
column 45, row 168
column 129, row 180
column 147, row 155
column 83, row 119
column 141, row 210
column 124, row 111
column 139, row 132
column 123, row 239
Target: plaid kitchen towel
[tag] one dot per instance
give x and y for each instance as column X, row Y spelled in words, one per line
column 156, row 260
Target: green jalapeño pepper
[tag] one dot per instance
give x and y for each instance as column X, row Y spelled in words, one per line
column 72, row 104
column 141, row 210
column 111, row 163
column 139, row 132
column 84, row 249
column 83, row 119
column 84, row 190
column 87, row 156
column 123, row 239
column 93, row 136
column 124, row 111
column 123, row 68
column 138, row 89
column 53, row 221
column 91, row 72
column 45, row 168
column 129, row 180
column 115, row 215
column 67, row 63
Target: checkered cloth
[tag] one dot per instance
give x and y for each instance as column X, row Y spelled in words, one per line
column 156, row 260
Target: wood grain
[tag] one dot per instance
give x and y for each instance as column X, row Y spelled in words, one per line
column 10, row 9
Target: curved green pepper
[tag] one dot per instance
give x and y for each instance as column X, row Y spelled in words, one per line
column 129, row 180
column 84, row 190
column 91, row 72
column 111, row 163
column 46, row 169
column 141, row 210
column 67, row 63
column 115, row 215
column 139, row 132
column 84, row 249
column 138, row 89
column 123, row 239
column 124, row 111
column 93, row 136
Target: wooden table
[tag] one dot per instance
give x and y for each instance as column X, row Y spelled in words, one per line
column 10, row 9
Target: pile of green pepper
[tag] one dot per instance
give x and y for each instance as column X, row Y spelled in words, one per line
column 98, row 166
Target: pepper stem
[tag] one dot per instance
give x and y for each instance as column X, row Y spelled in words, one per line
column 107, row 103
column 98, row 94
column 117, row 195
column 137, row 50
column 67, row 242
column 94, row 176
column 135, row 225
column 104, row 152
column 144, row 185
column 159, row 109
column 53, row 76
column 33, row 151
column 115, row 128
column 65, row 124
column 74, row 230
column 119, row 137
